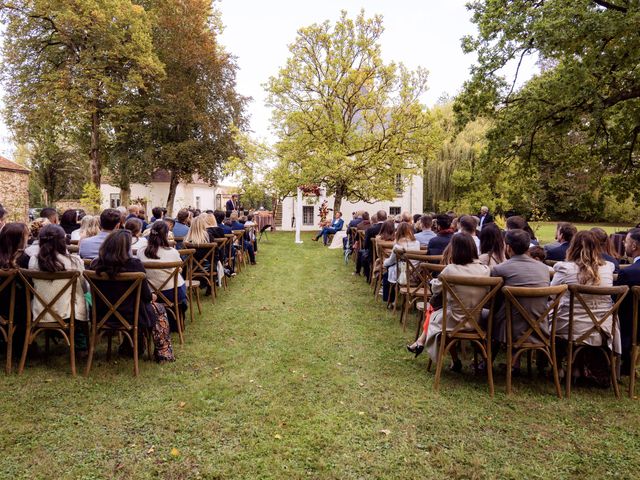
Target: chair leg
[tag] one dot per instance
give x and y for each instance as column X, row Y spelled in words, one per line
column 489, row 367
column 92, row 344
column 405, row 314
column 568, row 373
column 23, row 357
column 72, row 349
column 109, row 341
column 9, row 348
column 632, row 372
column 439, row 361
column 614, row 374
column 176, row 313
column 136, row 368
column 419, row 321
column 191, row 304
column 529, row 359
column 509, row 362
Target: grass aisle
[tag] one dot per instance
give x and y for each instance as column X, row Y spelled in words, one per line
column 297, row 373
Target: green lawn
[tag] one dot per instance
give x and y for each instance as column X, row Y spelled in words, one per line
column 297, row 373
column 546, row 231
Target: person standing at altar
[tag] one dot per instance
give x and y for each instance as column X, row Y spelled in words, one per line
column 336, row 226
column 485, row 217
column 232, row 204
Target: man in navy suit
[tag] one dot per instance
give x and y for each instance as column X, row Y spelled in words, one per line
column 629, row 276
column 336, row 226
column 232, row 205
column 565, row 235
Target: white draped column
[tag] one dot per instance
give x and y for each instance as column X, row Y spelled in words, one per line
column 298, row 215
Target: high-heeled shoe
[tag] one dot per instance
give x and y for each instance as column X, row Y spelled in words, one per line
column 415, row 349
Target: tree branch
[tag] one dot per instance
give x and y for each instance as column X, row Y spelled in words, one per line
column 610, row 6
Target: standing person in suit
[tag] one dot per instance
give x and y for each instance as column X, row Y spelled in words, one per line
column 232, row 204
column 628, row 276
column 566, row 232
column 336, row 226
column 485, row 217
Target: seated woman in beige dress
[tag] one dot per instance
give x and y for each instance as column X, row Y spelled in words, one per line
column 585, row 266
column 464, row 262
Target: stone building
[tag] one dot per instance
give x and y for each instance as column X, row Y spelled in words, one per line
column 14, row 189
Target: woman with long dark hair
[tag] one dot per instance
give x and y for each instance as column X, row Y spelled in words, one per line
column 607, row 252
column 158, row 250
column 114, row 258
column 70, row 221
column 491, row 245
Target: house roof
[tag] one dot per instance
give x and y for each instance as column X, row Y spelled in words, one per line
column 8, row 165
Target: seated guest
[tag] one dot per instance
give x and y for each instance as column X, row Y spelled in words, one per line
column 335, row 227
column 34, row 233
column 70, row 221
column 220, row 217
column 538, row 254
column 213, row 229
column 357, row 219
column 251, row 232
column 629, row 276
column 388, row 231
column 365, row 222
column 157, row 213
column 109, row 221
column 134, row 225
column 443, row 235
column 516, row 222
column 607, row 252
column 114, row 258
column 89, row 226
column 142, row 215
column 416, row 222
column 404, row 241
column 198, row 235
column 53, row 257
column 565, row 234
column 365, row 254
column 555, row 242
column 519, row 271
column 248, row 246
column 464, row 262
column 50, row 214
column 181, row 227
column 426, row 233
column 133, row 212
column 468, row 225
column 3, row 215
column 492, row 247
column 584, row 266
column 159, row 251
column 406, row 217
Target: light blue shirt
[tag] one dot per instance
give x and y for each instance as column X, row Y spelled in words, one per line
column 424, row 236
column 90, row 247
column 180, row 230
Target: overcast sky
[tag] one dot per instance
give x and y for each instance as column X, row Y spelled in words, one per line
column 423, row 33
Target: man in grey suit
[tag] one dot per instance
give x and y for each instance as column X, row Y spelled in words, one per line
column 520, row 271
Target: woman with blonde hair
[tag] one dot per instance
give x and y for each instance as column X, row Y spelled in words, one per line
column 405, row 240
column 585, row 266
column 198, row 230
column 89, row 227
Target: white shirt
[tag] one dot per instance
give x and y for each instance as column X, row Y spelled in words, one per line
column 635, row 260
column 157, row 277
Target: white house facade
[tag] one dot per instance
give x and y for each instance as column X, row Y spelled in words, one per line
column 196, row 194
column 410, row 199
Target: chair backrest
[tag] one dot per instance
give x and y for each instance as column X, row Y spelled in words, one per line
column 8, row 284
column 99, row 283
column 205, row 265
column 73, row 248
column 551, row 263
column 417, row 277
column 175, row 268
column 74, row 242
column 636, row 307
column 239, row 237
column 70, row 279
column 187, row 262
column 471, row 314
column 514, row 294
column 578, row 292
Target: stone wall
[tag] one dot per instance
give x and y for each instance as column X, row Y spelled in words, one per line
column 63, row 205
column 14, row 194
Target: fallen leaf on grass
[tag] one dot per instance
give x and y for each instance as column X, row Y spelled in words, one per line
column 277, row 436
column 151, row 450
column 360, row 413
column 175, row 452
column 385, row 432
column 182, row 404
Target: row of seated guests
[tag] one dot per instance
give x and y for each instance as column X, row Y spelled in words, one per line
column 584, row 264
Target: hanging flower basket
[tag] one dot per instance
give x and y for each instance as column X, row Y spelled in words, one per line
column 310, row 190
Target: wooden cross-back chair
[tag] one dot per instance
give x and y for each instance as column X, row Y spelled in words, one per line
column 360, row 234
column 469, row 329
column 634, row 340
column 222, row 252
column 383, row 251
column 577, row 293
column 204, row 269
column 252, row 236
column 119, row 325
column 7, row 328
column 178, row 242
column 239, row 238
column 373, row 255
column 42, row 323
column 192, row 285
column 73, row 248
column 541, row 341
column 172, row 306
column 430, row 270
column 417, row 285
column 231, row 259
column 87, row 262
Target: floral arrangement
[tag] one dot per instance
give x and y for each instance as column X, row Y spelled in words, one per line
column 324, row 213
column 310, row 190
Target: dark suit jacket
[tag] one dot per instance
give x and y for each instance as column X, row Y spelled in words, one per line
column 558, row 253
column 488, row 219
column 628, row 276
column 438, row 243
column 230, row 206
column 371, row 232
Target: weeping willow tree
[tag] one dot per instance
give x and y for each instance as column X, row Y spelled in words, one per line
column 453, row 168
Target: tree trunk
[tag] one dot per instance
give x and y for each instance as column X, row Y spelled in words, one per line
column 337, row 199
column 95, row 145
column 125, row 195
column 173, row 185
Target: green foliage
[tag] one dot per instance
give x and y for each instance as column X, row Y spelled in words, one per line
column 625, row 211
column 576, row 122
column 91, row 198
column 344, row 118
